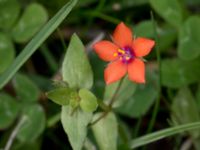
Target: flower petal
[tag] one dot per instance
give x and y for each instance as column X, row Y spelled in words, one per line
column 142, row 46
column 136, row 71
column 122, row 35
column 105, row 50
column 115, row 71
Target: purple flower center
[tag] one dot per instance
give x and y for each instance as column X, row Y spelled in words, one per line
column 126, row 54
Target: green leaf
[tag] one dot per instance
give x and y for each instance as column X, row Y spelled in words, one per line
column 170, row 10
column 60, row 96
column 31, row 21
column 9, row 10
column 184, row 109
column 142, row 99
column 88, row 101
column 9, row 109
column 144, row 29
column 177, row 73
column 106, row 131
column 167, row 34
column 26, row 90
column 76, row 69
column 36, row 42
column 7, row 52
column 34, row 124
column 149, row 138
column 75, row 125
column 189, row 39
column 126, row 91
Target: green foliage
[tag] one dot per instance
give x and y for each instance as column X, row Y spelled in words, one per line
column 76, row 69
column 9, row 10
column 122, row 96
column 142, row 99
column 60, row 95
column 177, row 73
column 9, row 109
column 7, row 52
column 185, row 110
column 189, row 39
column 105, row 131
column 26, row 90
column 75, row 125
column 162, row 134
column 170, row 10
column 88, row 101
column 26, row 27
column 34, row 123
column 36, row 42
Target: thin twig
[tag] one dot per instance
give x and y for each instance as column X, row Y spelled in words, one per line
column 155, row 110
column 112, row 100
column 14, row 133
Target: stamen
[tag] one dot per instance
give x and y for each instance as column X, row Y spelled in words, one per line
column 121, row 51
column 115, row 54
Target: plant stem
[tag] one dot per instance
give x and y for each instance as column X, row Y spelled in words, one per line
column 115, row 94
column 14, row 133
column 112, row 100
column 53, row 120
column 156, row 106
column 49, row 58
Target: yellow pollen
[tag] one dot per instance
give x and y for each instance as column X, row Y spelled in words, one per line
column 127, row 57
column 121, row 51
column 115, row 54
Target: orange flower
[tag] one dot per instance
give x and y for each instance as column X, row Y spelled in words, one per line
column 125, row 55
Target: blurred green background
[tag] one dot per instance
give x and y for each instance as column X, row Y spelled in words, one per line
column 178, row 29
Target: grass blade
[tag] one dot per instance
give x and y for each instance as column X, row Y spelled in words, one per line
column 162, row 134
column 35, row 43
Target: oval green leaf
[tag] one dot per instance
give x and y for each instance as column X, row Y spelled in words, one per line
column 143, row 98
column 7, row 52
column 26, row 90
column 170, row 10
column 31, row 21
column 9, row 10
column 177, row 73
column 88, row 101
column 189, row 39
column 76, row 69
column 9, row 109
column 106, row 131
column 34, row 123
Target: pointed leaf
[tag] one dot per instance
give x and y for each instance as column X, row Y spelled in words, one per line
column 34, row 123
column 31, row 21
column 60, row 96
column 25, row 89
column 7, row 52
column 88, row 101
column 189, row 39
column 105, row 131
column 76, row 68
column 75, row 125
